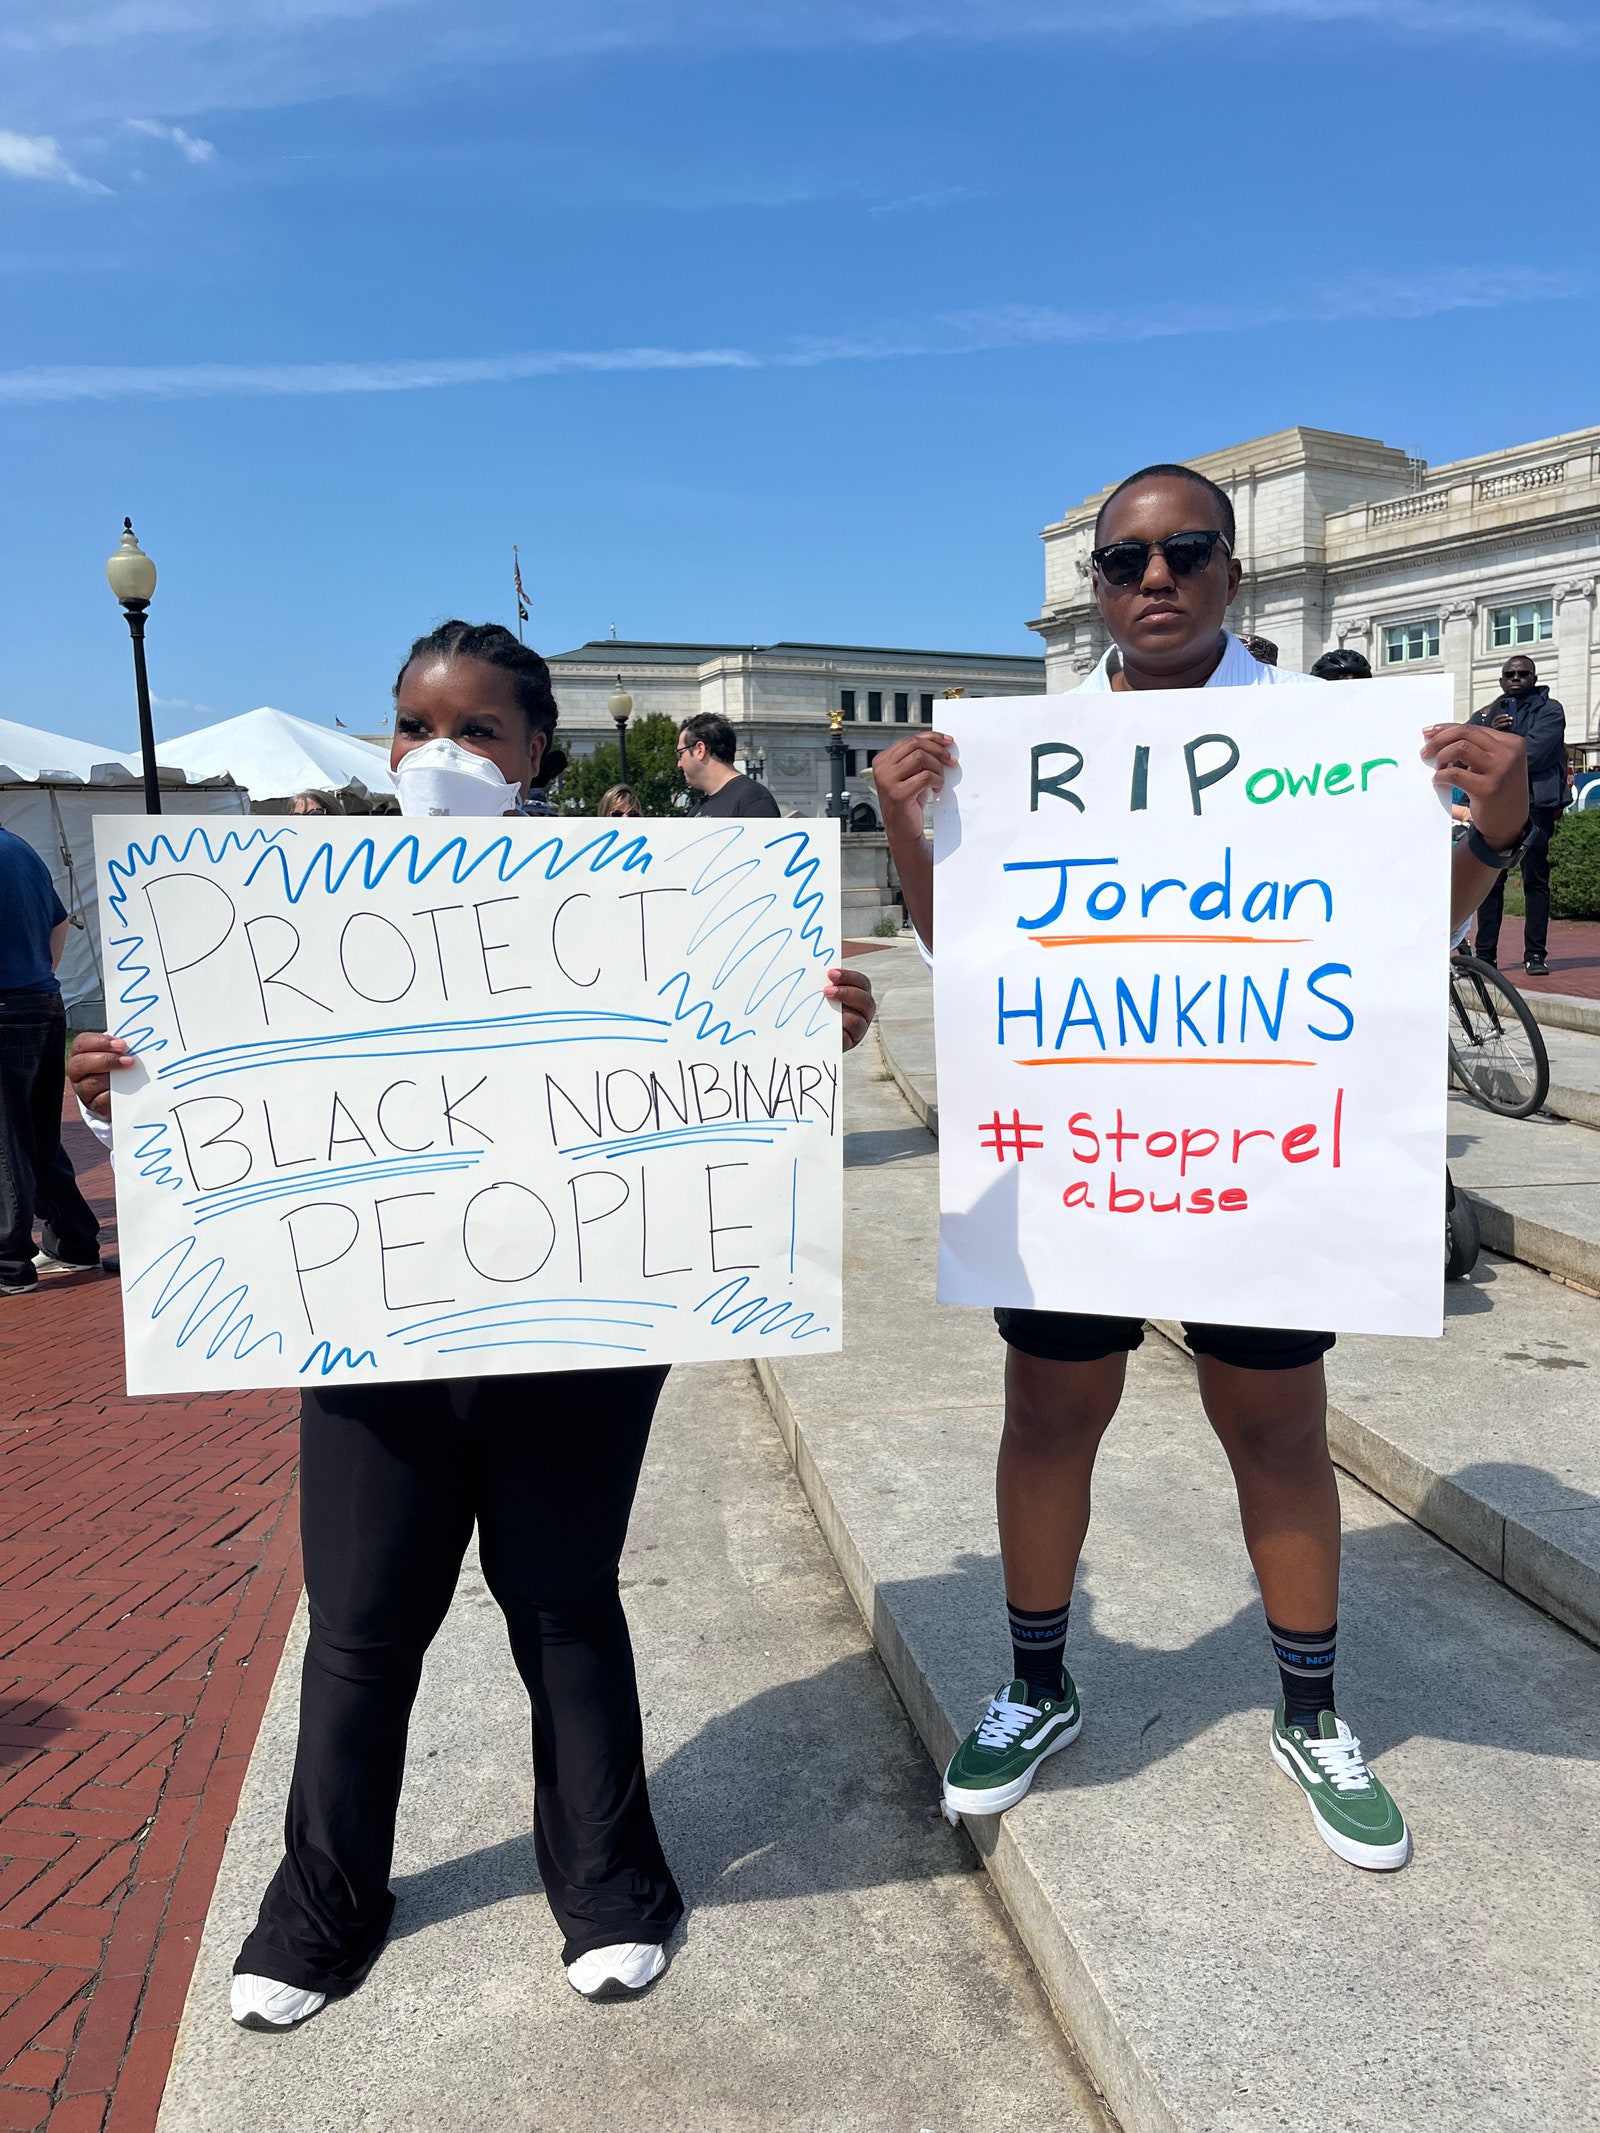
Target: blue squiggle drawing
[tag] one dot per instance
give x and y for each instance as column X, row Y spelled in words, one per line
column 619, row 1347
column 154, row 1155
column 520, row 1303
column 518, row 1325
column 776, row 982
column 444, row 1039
column 235, row 1325
column 122, row 871
column 762, row 1312
column 684, row 1010
column 230, row 1198
column 363, row 860
column 737, row 1132
column 331, row 1362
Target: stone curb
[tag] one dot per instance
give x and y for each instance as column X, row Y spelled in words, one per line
column 1564, row 1010
column 1120, row 2070
column 1528, row 1563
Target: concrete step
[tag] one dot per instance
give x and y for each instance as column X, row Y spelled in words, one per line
column 842, row 1969
column 1487, row 1438
column 1220, row 1971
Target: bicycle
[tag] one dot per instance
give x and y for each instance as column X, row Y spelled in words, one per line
column 1497, row 1051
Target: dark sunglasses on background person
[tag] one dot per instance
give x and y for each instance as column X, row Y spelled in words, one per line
column 1123, row 563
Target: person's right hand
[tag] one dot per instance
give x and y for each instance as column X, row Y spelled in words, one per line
column 908, row 772
column 93, row 1060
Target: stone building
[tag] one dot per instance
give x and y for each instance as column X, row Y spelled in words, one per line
column 778, row 697
column 1346, row 541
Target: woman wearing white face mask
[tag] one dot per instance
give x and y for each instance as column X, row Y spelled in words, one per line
column 395, row 1478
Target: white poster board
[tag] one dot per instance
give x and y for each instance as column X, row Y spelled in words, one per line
column 1190, row 995
column 458, row 1098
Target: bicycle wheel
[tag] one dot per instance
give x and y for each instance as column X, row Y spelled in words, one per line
column 1461, row 1243
column 1496, row 1049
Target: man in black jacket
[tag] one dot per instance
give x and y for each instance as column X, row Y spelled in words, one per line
column 1532, row 711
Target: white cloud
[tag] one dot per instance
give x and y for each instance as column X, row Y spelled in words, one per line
column 38, row 155
column 962, row 333
column 188, row 145
column 79, row 61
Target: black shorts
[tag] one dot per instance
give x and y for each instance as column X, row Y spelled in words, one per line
column 1075, row 1337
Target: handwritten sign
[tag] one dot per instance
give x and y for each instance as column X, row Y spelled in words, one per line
column 449, row 1098
column 1190, row 991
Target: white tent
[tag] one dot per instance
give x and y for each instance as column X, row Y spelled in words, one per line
column 274, row 756
column 56, row 816
column 30, row 753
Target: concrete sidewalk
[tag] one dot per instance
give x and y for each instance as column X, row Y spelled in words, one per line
column 843, row 1969
column 1220, row 1970
column 1487, row 1438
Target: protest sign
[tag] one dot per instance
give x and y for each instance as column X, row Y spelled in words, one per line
column 456, row 1098
column 1190, row 993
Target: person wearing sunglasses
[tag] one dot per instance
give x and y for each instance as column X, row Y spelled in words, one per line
column 1527, row 708
column 1164, row 575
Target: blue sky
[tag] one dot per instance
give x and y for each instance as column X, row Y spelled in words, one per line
column 797, row 320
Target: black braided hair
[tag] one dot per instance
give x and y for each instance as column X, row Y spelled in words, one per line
column 1168, row 471
column 494, row 644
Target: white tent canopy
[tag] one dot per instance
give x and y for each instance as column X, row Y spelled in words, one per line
column 274, row 756
column 33, row 753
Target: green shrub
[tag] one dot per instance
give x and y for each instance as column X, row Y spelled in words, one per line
column 1575, row 866
column 652, row 770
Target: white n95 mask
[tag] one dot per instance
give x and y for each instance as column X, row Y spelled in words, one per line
column 440, row 778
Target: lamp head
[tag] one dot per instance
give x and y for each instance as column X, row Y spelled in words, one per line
column 130, row 572
column 621, row 704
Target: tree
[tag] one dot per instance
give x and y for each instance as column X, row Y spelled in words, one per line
column 652, row 770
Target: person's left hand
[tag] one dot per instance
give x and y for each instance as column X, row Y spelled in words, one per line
column 857, row 1007
column 1491, row 768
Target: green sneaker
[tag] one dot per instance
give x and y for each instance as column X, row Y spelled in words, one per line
column 1354, row 1815
column 995, row 1764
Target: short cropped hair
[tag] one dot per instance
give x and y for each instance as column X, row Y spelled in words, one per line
column 1168, row 471
column 712, row 728
column 1342, row 665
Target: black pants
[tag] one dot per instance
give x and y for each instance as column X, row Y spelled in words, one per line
column 1535, row 891
column 392, row 1480
column 35, row 1175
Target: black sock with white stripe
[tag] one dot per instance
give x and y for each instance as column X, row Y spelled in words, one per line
column 1038, row 1639
column 1305, row 1667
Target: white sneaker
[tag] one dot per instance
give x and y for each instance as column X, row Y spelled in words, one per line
column 262, row 2003
column 48, row 1263
column 621, row 1972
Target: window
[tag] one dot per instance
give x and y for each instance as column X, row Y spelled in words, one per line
column 1411, row 640
column 847, row 702
column 925, row 705
column 902, row 708
column 872, row 756
column 1532, row 622
column 849, row 762
column 875, row 705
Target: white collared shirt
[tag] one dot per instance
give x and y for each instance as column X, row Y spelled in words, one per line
column 1235, row 670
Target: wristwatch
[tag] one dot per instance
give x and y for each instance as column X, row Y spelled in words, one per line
column 1486, row 855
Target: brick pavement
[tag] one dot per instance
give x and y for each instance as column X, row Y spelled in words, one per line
column 1574, row 953
column 149, row 1569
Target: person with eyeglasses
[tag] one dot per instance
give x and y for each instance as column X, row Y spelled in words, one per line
column 1527, row 708
column 705, row 758
column 1164, row 575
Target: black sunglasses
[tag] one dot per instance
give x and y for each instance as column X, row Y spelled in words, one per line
column 1124, row 562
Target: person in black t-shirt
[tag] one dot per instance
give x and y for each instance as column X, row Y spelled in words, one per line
column 705, row 756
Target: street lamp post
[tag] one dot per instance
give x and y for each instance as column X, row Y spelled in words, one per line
column 132, row 577
column 836, row 801
column 621, row 709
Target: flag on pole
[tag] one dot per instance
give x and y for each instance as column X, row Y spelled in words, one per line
column 522, row 597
